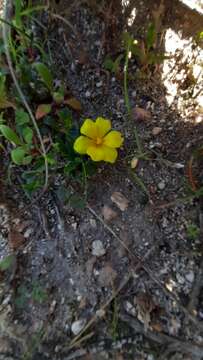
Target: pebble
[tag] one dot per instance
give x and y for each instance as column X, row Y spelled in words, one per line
column 130, row 309
column 77, row 326
column 98, row 248
column 87, row 94
column 28, row 232
column 156, row 130
column 100, row 313
column 108, row 213
column 93, row 223
column 120, row 200
column 180, row 279
column 190, row 276
column 99, row 84
column 161, row 185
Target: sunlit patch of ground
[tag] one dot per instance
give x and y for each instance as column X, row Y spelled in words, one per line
column 183, row 75
column 194, row 4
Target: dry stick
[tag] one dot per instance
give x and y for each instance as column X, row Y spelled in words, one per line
column 6, row 32
column 199, row 278
column 150, row 273
column 59, row 17
column 162, row 339
column 112, row 297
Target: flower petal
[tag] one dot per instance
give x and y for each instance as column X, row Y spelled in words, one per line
column 110, row 154
column 103, row 126
column 89, row 129
column 113, row 139
column 81, row 144
column 96, row 153
column 105, row 153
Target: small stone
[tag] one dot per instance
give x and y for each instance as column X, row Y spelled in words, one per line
column 87, row 94
column 190, row 276
column 180, row 279
column 28, row 232
column 99, row 84
column 161, row 185
column 108, row 213
column 93, row 223
column 130, row 309
column 77, row 326
column 74, row 226
column 156, row 130
column 100, row 313
column 98, row 248
column 120, row 200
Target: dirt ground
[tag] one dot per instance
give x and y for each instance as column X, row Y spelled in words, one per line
column 124, row 273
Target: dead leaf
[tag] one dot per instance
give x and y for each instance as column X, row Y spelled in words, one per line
column 140, row 114
column 74, row 104
column 157, row 327
column 16, row 239
column 156, row 130
column 120, row 200
column 4, row 104
column 144, row 305
column 42, row 110
column 134, row 163
column 108, row 213
column 107, row 276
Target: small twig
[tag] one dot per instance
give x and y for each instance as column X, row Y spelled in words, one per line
column 150, row 273
column 78, row 353
column 61, row 18
column 102, row 308
column 199, row 278
column 173, row 343
column 108, row 302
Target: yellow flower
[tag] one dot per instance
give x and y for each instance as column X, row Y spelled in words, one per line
column 98, row 141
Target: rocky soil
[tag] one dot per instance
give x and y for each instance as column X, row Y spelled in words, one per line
column 121, row 278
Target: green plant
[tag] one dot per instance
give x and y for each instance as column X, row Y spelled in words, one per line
column 7, row 262
column 113, row 66
column 193, row 231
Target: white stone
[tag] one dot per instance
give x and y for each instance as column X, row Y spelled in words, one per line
column 77, row 326
column 99, row 84
column 98, row 248
column 87, row 94
column 161, row 185
column 190, row 276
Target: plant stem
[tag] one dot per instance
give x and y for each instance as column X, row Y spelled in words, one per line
column 126, row 97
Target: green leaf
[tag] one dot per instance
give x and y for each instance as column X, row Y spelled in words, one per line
column 28, row 135
column 42, row 110
column 38, row 293
column 10, row 135
column 108, row 64
column 30, row 10
column 7, row 262
column 77, row 202
column 27, row 160
column 21, row 117
column 66, row 117
column 18, row 6
column 58, row 96
column 45, row 74
column 18, row 155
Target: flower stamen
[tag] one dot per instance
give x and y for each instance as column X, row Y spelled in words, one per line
column 98, row 141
